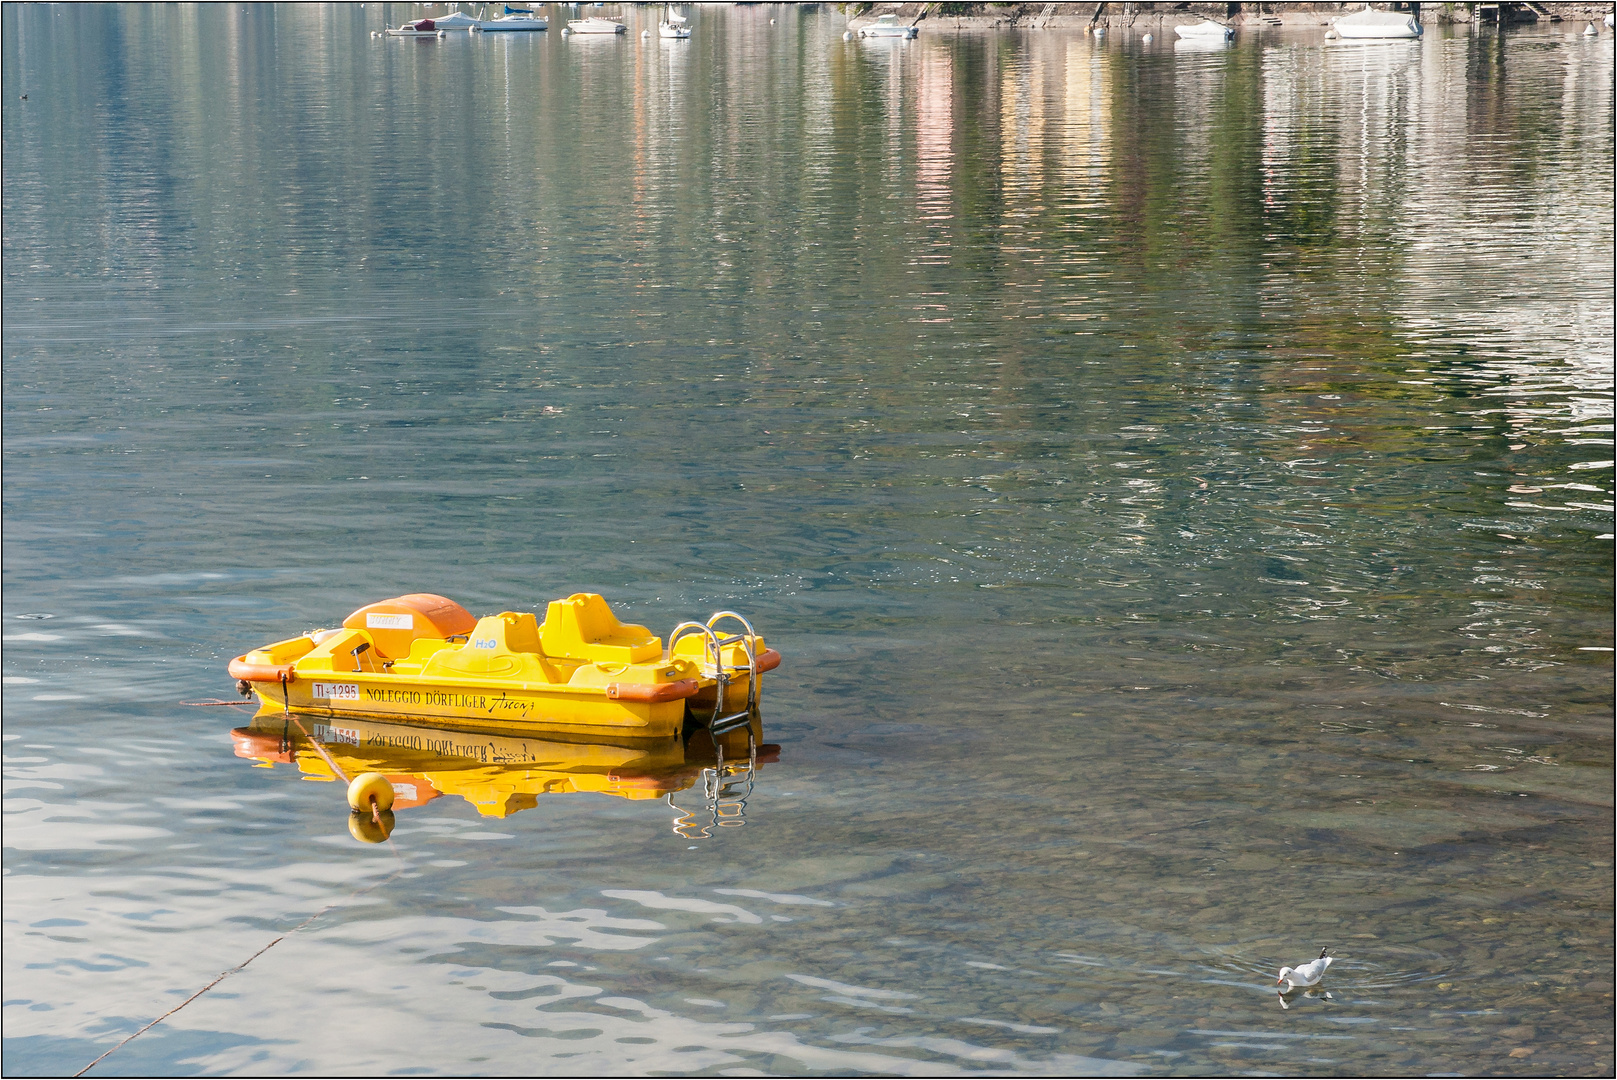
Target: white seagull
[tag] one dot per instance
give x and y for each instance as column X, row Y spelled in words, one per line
column 1305, row 974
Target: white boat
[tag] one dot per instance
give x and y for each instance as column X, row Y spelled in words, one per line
column 595, row 25
column 887, row 26
column 673, row 24
column 514, row 20
column 421, row 28
column 1371, row 23
column 1205, row 29
column 457, row 20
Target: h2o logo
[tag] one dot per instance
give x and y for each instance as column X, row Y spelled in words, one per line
column 485, row 643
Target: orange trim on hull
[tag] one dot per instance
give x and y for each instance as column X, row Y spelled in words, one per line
column 270, row 673
column 652, row 692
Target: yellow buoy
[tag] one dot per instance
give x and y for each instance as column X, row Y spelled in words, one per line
column 369, row 830
column 370, row 792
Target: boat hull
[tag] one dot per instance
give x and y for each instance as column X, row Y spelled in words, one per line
column 1208, row 31
column 1377, row 33
column 485, row 705
column 514, row 26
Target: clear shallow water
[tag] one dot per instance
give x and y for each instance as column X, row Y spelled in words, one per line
column 1179, row 482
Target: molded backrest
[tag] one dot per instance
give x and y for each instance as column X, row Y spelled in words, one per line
column 509, row 631
column 394, row 624
column 582, row 627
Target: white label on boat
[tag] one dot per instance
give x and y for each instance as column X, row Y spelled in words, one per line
column 337, row 691
column 374, row 621
column 326, row 734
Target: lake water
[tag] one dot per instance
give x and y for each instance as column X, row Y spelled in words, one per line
column 1180, row 483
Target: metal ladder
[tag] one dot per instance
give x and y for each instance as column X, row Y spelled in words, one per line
column 714, row 667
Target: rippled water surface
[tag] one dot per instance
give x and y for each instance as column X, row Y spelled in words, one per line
column 1180, row 483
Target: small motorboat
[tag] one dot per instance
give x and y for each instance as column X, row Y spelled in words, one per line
column 1371, row 23
column 595, row 25
column 424, row 658
column 673, row 24
column 513, row 21
column 421, row 28
column 888, row 26
column 456, row 20
column 1206, row 29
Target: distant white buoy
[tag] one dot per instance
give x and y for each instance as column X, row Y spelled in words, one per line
column 1330, row 35
column 1590, row 31
column 443, row 33
column 1100, row 31
column 771, row 22
column 645, row 33
column 847, row 35
column 565, row 31
column 1147, row 39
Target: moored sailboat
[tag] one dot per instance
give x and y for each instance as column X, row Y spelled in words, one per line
column 673, row 25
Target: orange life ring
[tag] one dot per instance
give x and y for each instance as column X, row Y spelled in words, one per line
column 241, row 669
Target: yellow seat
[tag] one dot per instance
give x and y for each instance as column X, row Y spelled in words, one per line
column 503, row 644
column 582, row 627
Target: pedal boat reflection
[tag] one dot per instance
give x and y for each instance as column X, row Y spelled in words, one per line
column 501, row 774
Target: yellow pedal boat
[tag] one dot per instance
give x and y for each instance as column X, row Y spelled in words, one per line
column 424, row 658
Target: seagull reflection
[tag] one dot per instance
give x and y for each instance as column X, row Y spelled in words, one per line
column 503, row 774
column 1313, row 992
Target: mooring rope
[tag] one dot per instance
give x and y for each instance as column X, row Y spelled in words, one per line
column 223, row 975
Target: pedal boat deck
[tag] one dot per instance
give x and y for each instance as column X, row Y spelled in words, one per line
column 425, row 658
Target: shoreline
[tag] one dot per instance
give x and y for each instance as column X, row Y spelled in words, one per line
column 935, row 17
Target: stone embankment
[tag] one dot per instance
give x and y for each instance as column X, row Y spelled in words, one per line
column 936, row 17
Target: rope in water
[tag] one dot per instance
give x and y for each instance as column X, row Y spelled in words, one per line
column 223, row 975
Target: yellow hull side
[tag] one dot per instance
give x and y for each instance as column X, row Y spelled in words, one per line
column 465, row 702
